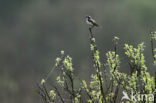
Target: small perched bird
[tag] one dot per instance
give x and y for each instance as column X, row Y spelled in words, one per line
column 91, row 21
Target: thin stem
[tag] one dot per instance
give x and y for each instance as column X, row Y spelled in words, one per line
column 96, row 64
column 44, row 93
column 152, row 47
column 155, row 88
column 59, row 95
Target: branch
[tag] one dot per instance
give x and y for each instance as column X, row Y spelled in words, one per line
column 96, row 64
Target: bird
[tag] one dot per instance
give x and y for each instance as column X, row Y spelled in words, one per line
column 91, row 21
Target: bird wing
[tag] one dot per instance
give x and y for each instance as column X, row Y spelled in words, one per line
column 93, row 22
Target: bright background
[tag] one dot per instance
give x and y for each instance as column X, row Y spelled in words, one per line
column 33, row 32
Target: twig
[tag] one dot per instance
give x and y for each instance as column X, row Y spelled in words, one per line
column 152, row 46
column 59, row 94
column 97, row 65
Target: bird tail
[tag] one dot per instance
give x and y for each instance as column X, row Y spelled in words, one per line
column 95, row 24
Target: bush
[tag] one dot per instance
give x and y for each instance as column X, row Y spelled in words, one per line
column 105, row 84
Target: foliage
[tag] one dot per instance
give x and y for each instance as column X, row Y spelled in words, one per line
column 105, row 84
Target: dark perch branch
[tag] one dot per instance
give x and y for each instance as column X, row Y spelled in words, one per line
column 97, row 65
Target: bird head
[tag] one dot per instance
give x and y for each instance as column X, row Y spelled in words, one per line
column 88, row 17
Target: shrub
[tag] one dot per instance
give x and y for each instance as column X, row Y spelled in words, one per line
column 105, row 84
